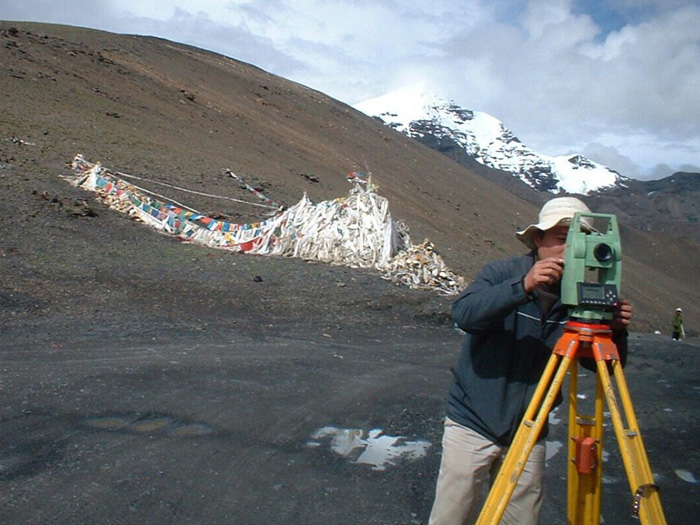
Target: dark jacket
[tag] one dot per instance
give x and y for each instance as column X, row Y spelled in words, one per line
column 508, row 342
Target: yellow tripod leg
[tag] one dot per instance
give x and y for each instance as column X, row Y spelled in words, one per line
column 646, row 502
column 525, row 439
column 585, row 456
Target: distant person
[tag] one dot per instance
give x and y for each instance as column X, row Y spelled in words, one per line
column 677, row 325
column 513, row 316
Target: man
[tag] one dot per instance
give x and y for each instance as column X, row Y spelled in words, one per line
column 513, row 316
column 677, row 326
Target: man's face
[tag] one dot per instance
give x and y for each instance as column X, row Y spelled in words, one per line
column 552, row 243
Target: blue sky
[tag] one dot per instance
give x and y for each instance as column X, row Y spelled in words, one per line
column 615, row 80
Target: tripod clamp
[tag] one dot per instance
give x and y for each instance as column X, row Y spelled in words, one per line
column 639, row 494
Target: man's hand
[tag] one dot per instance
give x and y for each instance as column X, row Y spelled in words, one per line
column 545, row 272
column 622, row 315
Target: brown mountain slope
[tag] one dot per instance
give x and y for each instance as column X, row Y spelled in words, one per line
column 180, row 115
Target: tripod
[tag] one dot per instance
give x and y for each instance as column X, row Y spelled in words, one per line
column 581, row 339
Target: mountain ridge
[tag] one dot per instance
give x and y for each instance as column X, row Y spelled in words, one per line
column 487, row 140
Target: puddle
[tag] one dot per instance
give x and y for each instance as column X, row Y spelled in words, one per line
column 192, row 430
column 372, row 448
column 149, row 425
column 553, row 418
column 552, row 448
column 687, row 476
column 108, row 423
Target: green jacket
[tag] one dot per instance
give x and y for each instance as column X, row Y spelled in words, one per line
column 677, row 323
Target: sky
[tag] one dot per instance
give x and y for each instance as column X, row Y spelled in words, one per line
column 615, row 80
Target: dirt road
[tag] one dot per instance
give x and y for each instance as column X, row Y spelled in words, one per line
column 272, row 429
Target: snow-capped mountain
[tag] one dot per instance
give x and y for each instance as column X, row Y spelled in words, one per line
column 486, row 140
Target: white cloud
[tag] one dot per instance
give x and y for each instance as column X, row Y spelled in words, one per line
column 620, row 77
column 611, row 157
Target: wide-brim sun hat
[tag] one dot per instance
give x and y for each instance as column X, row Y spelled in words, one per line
column 556, row 212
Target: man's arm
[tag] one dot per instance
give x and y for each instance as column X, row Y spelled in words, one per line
column 496, row 291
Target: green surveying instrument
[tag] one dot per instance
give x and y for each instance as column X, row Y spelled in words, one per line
column 592, row 261
column 590, row 289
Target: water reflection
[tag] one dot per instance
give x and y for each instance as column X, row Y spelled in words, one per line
column 369, row 448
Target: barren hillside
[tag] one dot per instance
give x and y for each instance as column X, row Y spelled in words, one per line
column 172, row 113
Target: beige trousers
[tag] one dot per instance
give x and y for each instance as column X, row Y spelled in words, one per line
column 470, row 462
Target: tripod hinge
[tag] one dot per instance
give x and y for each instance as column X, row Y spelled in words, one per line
column 639, row 494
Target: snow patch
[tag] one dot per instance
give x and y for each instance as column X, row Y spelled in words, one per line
column 483, row 137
